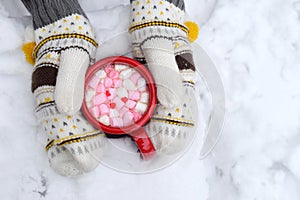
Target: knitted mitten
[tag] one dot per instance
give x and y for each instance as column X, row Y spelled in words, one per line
column 65, row 46
column 154, row 24
column 171, row 129
column 63, row 31
column 160, row 40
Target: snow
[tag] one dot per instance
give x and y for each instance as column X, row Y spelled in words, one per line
column 256, row 48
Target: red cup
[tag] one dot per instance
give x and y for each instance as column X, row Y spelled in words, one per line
column 135, row 130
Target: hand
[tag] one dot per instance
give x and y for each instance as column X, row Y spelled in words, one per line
column 160, row 40
column 69, row 44
column 65, row 46
column 155, row 27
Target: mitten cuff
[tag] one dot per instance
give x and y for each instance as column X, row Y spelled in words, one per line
column 157, row 19
column 157, row 10
column 45, row 12
column 73, row 31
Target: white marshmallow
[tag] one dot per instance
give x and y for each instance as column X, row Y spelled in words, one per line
column 104, row 120
column 141, row 84
column 119, row 103
column 129, row 85
column 101, row 73
column 125, row 74
column 88, row 104
column 122, row 92
column 89, row 95
column 144, row 97
column 141, row 107
column 113, row 113
column 121, row 67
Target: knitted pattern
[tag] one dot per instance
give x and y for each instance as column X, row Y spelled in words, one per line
column 70, row 44
column 65, row 47
column 155, row 19
column 73, row 145
column 171, row 129
column 160, row 40
column 155, row 23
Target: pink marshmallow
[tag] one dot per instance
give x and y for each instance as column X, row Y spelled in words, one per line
column 119, row 103
column 94, row 82
column 117, row 122
column 117, row 83
column 108, row 69
column 99, row 99
column 134, row 95
column 114, row 74
column 128, row 118
column 100, row 88
column 136, row 115
column 108, row 82
column 112, row 92
column 123, row 111
column 95, row 111
column 103, row 108
column 130, row 104
column 135, row 77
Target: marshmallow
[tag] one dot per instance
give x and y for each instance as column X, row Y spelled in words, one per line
column 113, row 113
column 130, row 104
column 122, row 92
column 136, row 116
column 128, row 84
column 88, row 104
column 100, row 88
column 124, row 99
column 141, row 107
column 104, row 120
column 94, row 82
column 112, row 93
column 89, row 95
column 128, row 118
column 95, row 111
column 118, row 83
column 125, row 74
column 135, row 77
column 119, row 103
column 108, row 69
column 117, row 122
column 113, row 74
column 119, row 67
column 144, row 97
column 123, row 111
column 99, row 99
column 101, row 74
column 134, row 95
column 141, row 84
column 108, row 82
column 103, row 108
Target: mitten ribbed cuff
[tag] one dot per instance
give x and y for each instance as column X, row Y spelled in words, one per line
column 45, row 12
column 177, row 3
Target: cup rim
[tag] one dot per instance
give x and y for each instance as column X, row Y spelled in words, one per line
column 151, row 88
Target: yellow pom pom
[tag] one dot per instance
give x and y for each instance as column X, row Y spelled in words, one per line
column 193, row 30
column 27, row 49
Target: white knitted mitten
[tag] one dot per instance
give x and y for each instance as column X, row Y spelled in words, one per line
column 160, row 41
column 63, row 31
column 64, row 48
column 154, row 24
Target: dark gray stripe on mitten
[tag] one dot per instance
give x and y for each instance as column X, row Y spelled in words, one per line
column 178, row 3
column 45, row 12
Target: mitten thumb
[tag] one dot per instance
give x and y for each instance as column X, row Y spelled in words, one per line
column 160, row 57
column 70, row 80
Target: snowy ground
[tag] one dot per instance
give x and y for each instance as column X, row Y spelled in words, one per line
column 256, row 47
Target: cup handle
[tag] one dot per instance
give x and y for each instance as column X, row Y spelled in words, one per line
column 144, row 143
